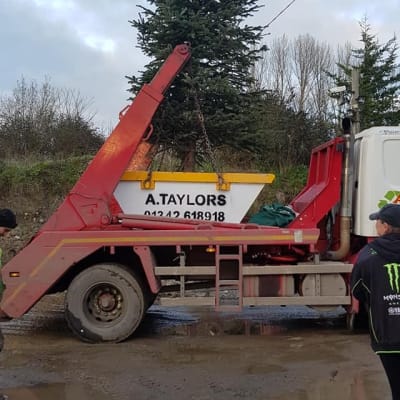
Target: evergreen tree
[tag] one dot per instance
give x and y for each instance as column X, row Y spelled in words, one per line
column 379, row 79
column 286, row 136
column 217, row 82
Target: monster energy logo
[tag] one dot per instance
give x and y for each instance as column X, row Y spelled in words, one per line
column 394, row 276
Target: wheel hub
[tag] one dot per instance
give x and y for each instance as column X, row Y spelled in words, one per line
column 105, row 303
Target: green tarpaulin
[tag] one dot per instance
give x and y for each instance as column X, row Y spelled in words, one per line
column 273, row 215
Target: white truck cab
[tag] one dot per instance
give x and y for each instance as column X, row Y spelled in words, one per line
column 376, row 175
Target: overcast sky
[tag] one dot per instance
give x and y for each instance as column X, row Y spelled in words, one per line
column 89, row 45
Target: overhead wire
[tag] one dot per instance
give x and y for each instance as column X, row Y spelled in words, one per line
column 279, row 14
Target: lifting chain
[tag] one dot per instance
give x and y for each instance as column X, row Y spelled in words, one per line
column 206, row 139
column 152, row 165
column 200, row 116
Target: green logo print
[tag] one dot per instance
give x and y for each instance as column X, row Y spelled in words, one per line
column 394, row 276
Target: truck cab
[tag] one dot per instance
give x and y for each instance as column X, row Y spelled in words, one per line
column 377, row 178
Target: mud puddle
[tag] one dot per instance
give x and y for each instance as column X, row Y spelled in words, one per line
column 48, row 317
column 57, row 391
column 261, row 353
column 251, row 321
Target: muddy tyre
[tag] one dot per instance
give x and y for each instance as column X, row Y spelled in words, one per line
column 105, row 303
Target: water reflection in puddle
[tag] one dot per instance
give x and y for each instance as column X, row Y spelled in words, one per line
column 59, row 391
column 251, row 321
column 187, row 321
column 216, row 327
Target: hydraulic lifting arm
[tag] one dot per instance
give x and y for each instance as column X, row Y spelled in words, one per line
column 88, row 205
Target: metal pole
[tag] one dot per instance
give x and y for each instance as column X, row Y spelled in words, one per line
column 355, row 89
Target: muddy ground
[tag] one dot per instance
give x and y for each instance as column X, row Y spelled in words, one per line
column 262, row 353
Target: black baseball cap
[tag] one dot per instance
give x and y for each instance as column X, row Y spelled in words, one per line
column 7, row 219
column 390, row 213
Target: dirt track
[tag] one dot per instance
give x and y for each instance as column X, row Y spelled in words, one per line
column 182, row 354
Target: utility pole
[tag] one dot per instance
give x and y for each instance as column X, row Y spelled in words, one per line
column 355, row 96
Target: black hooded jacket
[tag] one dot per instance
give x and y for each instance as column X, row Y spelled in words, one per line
column 375, row 281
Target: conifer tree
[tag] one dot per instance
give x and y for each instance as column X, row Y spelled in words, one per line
column 216, row 83
column 379, row 79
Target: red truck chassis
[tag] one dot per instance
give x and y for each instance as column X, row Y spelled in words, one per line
column 113, row 265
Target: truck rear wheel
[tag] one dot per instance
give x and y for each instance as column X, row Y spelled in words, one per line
column 105, row 303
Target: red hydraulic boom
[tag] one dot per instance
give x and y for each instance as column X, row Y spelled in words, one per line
column 90, row 205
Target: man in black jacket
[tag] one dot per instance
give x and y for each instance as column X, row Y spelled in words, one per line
column 375, row 282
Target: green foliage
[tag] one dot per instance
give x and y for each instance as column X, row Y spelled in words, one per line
column 74, row 136
column 285, row 137
column 290, row 181
column 217, row 83
column 42, row 121
column 287, row 184
column 47, row 179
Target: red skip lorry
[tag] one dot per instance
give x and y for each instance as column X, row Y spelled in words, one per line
column 113, row 264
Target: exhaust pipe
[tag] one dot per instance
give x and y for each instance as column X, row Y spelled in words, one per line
column 347, row 195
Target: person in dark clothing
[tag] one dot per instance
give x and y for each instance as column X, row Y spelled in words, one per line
column 375, row 282
column 8, row 221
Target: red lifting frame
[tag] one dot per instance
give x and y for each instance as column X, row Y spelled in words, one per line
column 90, row 207
column 90, row 203
column 323, row 189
